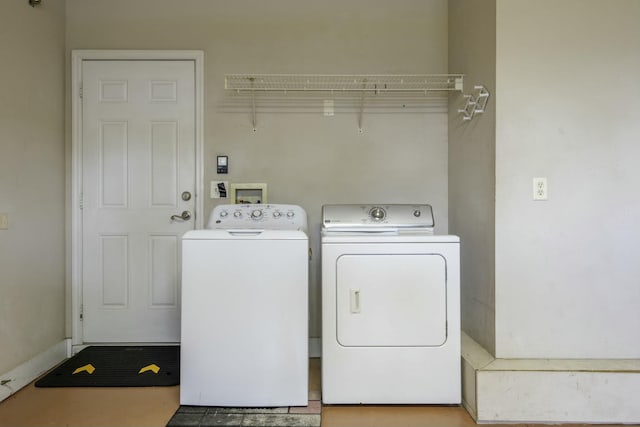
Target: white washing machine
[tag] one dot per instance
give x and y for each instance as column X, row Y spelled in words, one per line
column 245, row 308
column 390, row 307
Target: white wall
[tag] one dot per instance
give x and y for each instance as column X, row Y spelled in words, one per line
column 567, row 270
column 305, row 158
column 472, row 164
column 32, row 174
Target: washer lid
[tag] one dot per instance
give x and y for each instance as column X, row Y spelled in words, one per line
column 377, row 218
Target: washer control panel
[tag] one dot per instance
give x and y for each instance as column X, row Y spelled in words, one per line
column 258, row 216
column 381, row 217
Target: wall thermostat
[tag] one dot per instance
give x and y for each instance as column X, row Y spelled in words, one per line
column 223, row 164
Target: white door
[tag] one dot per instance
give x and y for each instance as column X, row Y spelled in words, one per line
column 138, row 169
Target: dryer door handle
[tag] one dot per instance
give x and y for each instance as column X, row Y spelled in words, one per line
column 354, row 300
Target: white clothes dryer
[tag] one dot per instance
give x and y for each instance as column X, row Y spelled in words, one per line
column 245, row 308
column 390, row 307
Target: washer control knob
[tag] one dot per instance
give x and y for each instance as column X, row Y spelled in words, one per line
column 256, row 214
column 277, row 214
column 224, row 214
column 417, row 213
column 290, row 214
column 237, row 214
column 377, row 213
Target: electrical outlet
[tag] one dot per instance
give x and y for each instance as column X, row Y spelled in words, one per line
column 540, row 189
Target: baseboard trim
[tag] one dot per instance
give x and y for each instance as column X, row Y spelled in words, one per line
column 24, row 374
column 548, row 391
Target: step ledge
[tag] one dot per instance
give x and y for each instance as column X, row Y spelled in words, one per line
column 549, row 390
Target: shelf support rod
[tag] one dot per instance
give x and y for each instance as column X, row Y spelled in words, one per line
column 360, row 114
column 253, row 103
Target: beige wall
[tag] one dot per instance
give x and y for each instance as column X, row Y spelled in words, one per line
column 472, row 41
column 568, row 108
column 305, row 158
column 32, row 175
column 563, row 280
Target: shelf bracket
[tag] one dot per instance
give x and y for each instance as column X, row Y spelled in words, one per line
column 361, row 112
column 253, row 103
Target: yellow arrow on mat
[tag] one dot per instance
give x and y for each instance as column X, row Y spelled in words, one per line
column 153, row 368
column 86, row 368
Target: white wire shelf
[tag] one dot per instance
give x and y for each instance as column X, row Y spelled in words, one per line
column 360, row 83
column 362, row 86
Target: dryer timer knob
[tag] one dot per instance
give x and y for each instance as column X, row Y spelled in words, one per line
column 377, row 213
column 417, row 213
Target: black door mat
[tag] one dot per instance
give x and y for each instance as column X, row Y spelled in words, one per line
column 117, row 366
column 211, row 416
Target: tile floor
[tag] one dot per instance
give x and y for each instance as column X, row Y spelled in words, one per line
column 155, row 406
column 188, row 416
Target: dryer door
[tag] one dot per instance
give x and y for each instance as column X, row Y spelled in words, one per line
column 391, row 300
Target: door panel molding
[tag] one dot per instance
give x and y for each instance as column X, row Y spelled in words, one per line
column 74, row 273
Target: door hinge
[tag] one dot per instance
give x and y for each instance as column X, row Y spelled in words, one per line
column 81, row 201
column 81, row 313
column 81, row 91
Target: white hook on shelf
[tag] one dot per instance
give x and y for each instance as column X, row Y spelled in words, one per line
column 475, row 105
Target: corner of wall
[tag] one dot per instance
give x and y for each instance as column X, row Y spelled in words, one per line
column 472, row 164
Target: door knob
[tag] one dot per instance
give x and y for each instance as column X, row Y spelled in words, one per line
column 185, row 216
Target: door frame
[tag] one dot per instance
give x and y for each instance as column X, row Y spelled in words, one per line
column 77, row 58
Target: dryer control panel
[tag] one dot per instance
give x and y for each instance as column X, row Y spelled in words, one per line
column 258, row 216
column 377, row 218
